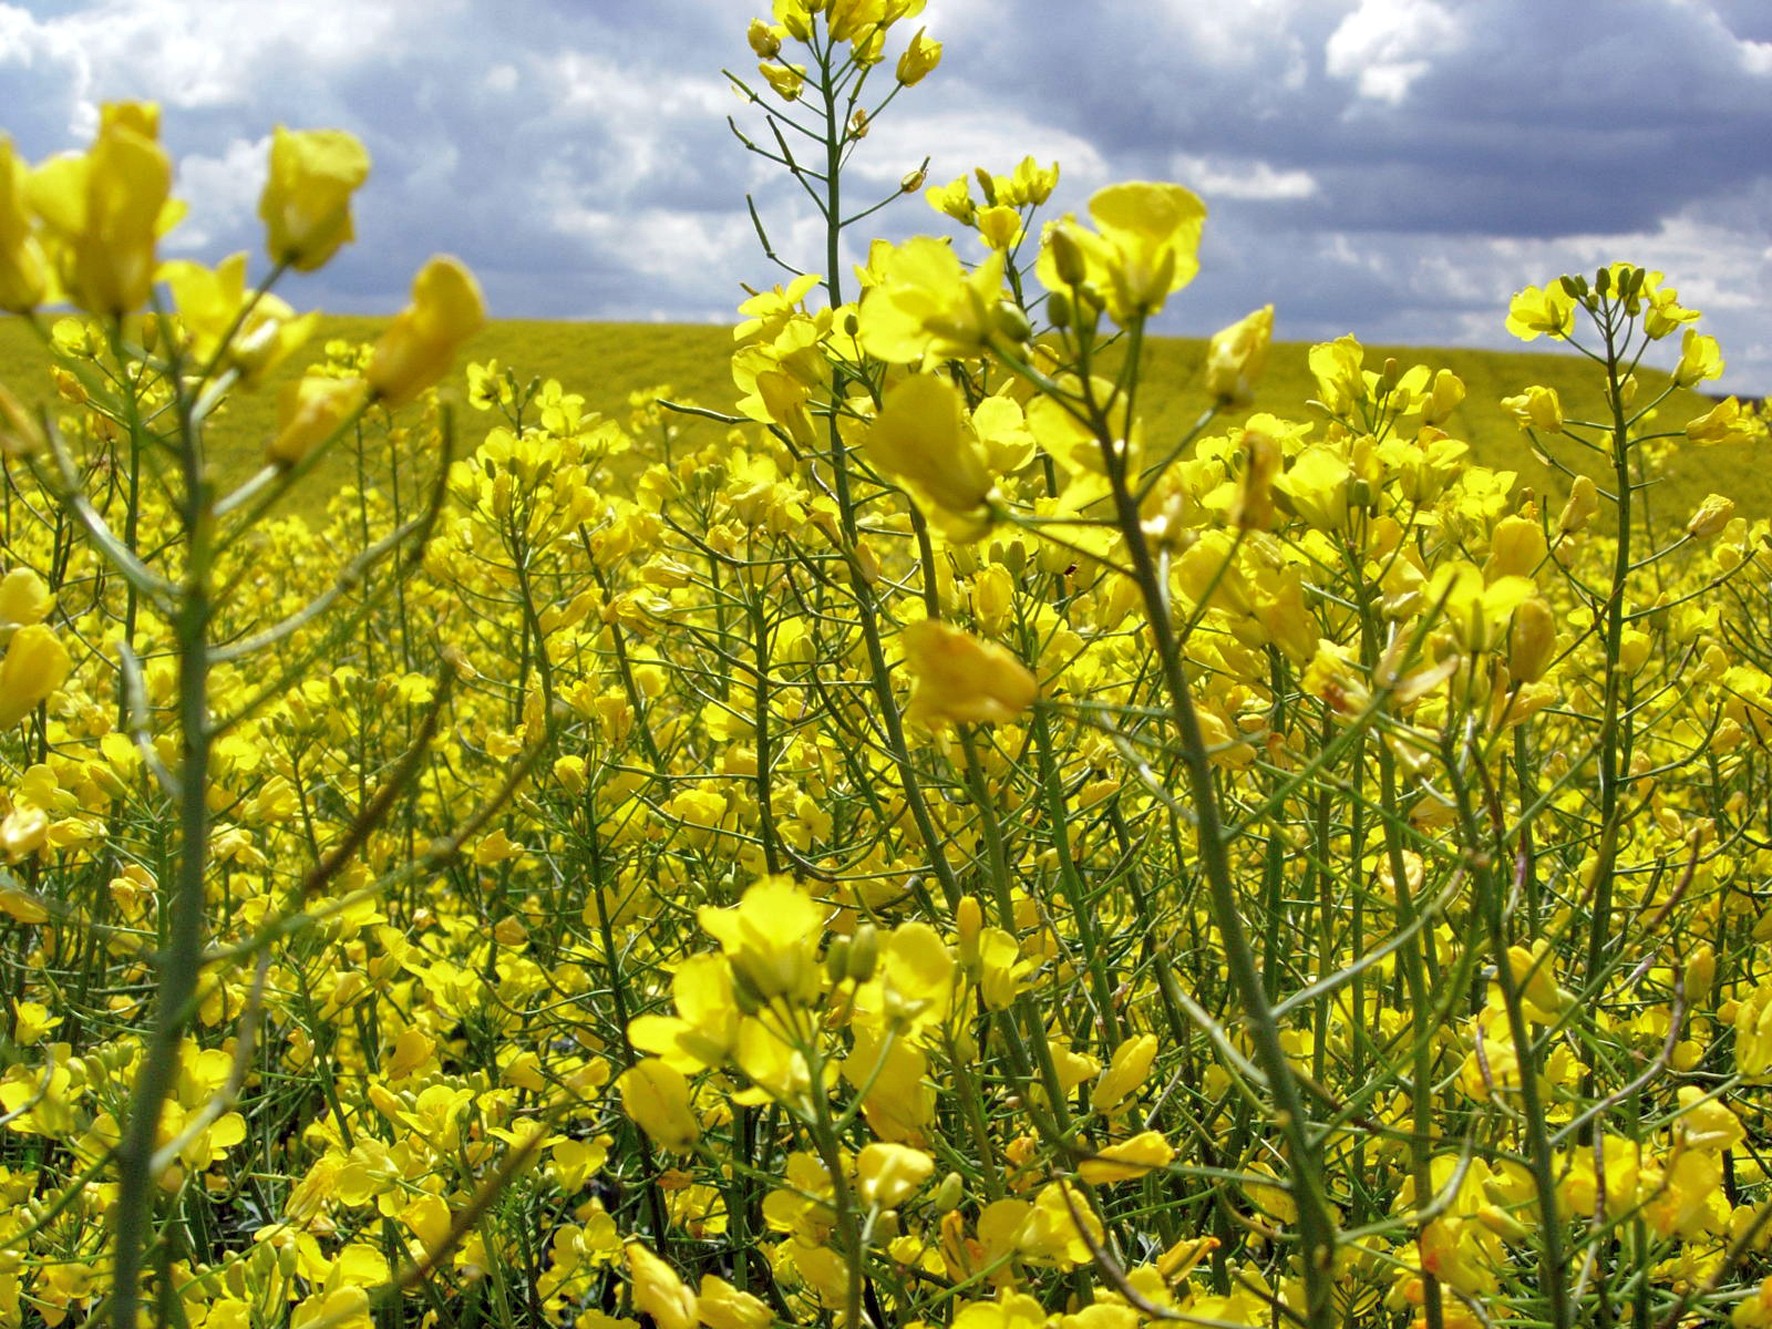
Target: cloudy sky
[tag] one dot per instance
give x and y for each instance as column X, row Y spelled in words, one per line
column 1391, row 167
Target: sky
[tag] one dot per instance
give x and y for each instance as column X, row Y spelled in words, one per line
column 1394, row 168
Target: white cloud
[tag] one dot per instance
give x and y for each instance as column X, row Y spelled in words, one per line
column 1242, row 178
column 1387, row 45
column 958, row 142
column 1756, row 57
column 222, row 192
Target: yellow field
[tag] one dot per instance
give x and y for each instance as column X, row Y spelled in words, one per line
column 950, row 834
column 609, row 362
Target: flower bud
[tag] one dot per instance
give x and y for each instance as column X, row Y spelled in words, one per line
column 836, row 960
column 1008, row 318
column 948, row 1195
column 1067, row 256
column 1584, row 502
column 1700, row 973
column 864, row 953
column 919, row 58
column 765, row 41
column 968, row 923
column 1532, row 642
column 1237, row 355
column 1711, row 517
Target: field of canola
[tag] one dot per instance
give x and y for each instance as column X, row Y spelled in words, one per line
column 934, row 851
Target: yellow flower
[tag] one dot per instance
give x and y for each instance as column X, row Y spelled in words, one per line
column 1236, row 356
column 1128, row 1160
column 103, row 212
column 1707, row 1123
column 1316, row 488
column 722, row 1306
column 1477, row 613
column 24, row 599
column 771, row 938
column 36, row 664
column 921, row 438
column 1725, row 422
column 953, row 199
column 656, row 1095
column 1532, row 641
column 919, row 58
column 922, row 301
column 1536, row 408
column 20, row 434
column 1700, row 358
column 420, row 344
column 1146, row 246
column 1129, row 1067
column 999, row 226
column 24, row 272
column 210, row 303
column 658, row 1291
column 306, row 204
column 1711, row 517
column 764, row 40
column 889, row 1174
column 309, row 411
column 787, row 80
column 1584, row 502
column 705, row 1029
column 962, row 680
column 1534, row 312
column 1444, row 396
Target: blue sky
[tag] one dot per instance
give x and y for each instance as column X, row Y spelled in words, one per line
column 1394, row 168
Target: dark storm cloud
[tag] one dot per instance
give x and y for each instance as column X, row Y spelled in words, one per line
column 1397, row 167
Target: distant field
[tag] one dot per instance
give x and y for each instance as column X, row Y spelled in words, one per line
column 606, row 362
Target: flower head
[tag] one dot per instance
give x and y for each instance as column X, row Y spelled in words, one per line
column 963, row 680
column 420, row 344
column 306, row 204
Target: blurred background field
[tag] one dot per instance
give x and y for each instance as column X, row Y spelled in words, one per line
column 608, row 363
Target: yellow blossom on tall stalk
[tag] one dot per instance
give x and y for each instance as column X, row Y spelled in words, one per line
column 921, row 437
column 1145, row 247
column 260, row 330
column 306, row 203
column 919, row 59
column 1536, row 312
column 921, row 302
column 421, row 343
column 309, row 411
column 103, row 211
